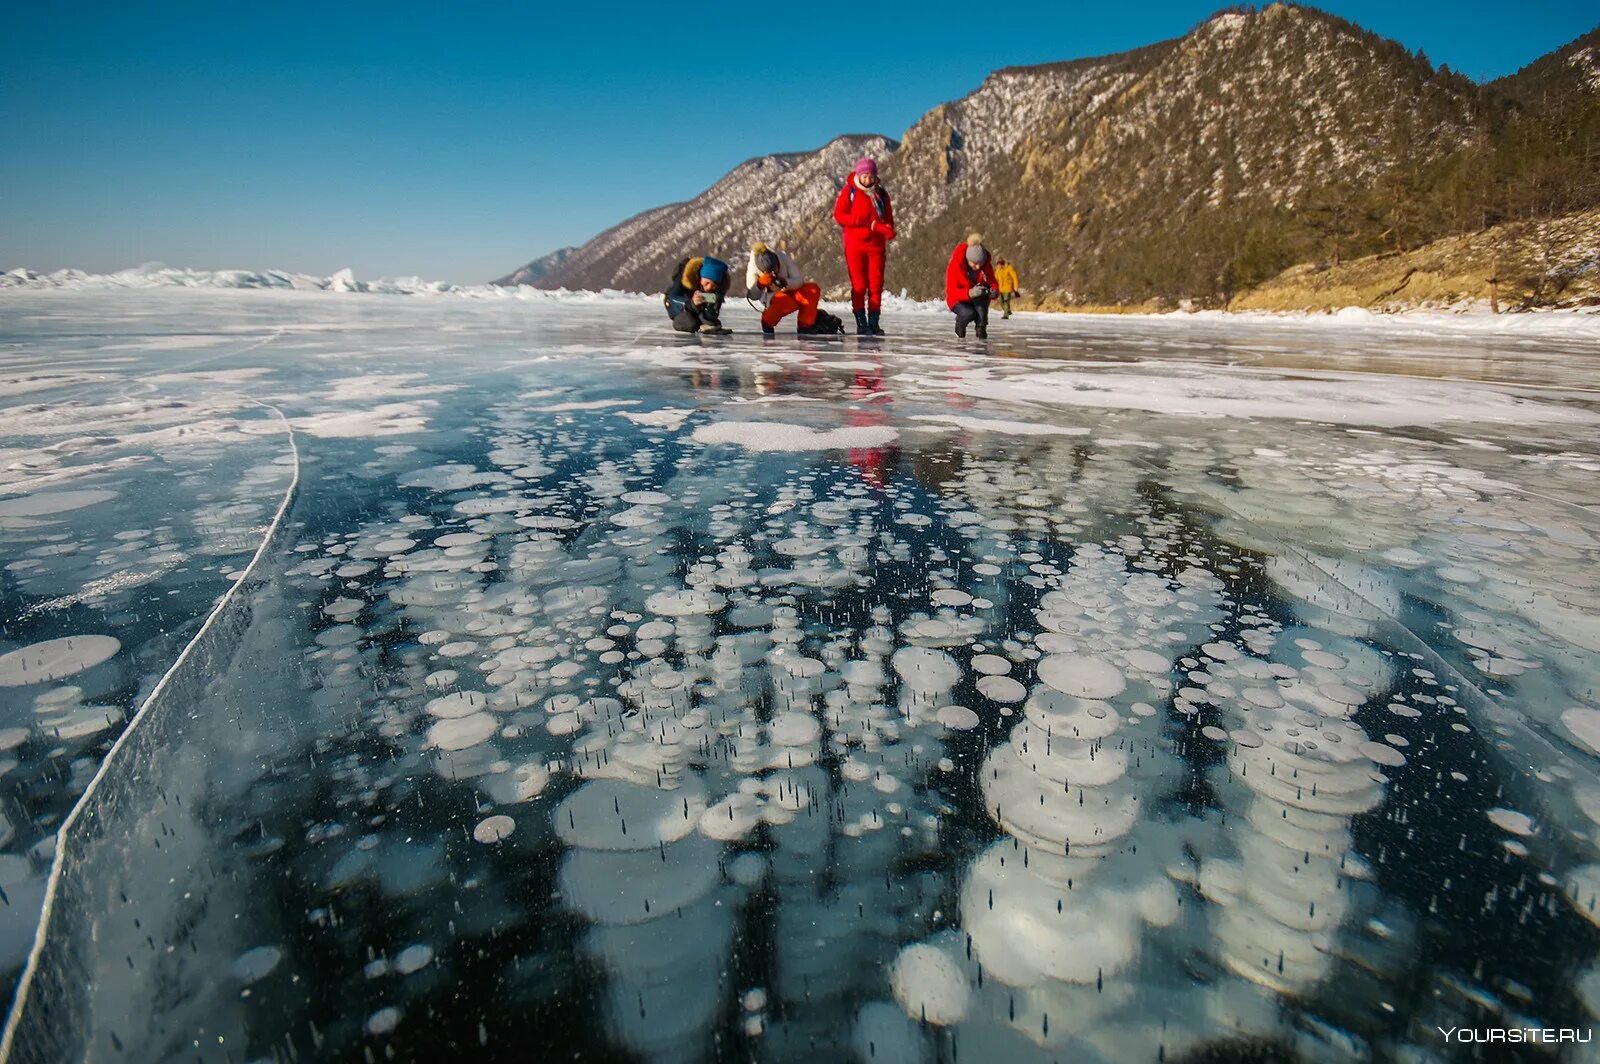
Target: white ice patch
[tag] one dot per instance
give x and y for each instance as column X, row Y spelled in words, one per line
column 46, row 503
column 1231, row 392
column 387, row 419
column 777, row 436
column 671, row 420
column 1008, row 428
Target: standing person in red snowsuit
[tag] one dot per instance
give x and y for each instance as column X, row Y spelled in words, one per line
column 864, row 212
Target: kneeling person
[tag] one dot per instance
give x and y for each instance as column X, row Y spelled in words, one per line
column 694, row 298
column 968, row 286
column 783, row 290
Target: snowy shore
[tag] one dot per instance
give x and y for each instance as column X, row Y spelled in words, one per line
column 1569, row 324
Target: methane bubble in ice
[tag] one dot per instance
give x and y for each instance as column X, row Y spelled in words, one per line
column 460, row 733
column 615, row 815
column 1511, row 821
column 54, row 659
column 256, row 964
column 45, row 503
column 1582, row 722
column 929, row 985
column 493, row 829
column 957, row 718
column 1082, row 675
column 413, row 958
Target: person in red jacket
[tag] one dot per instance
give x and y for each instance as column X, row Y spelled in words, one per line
column 969, row 284
column 865, row 214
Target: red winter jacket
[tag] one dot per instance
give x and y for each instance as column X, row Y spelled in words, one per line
column 959, row 277
column 867, row 217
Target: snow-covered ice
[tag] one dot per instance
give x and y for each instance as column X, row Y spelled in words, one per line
column 511, row 676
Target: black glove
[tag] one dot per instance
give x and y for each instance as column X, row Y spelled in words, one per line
column 778, row 283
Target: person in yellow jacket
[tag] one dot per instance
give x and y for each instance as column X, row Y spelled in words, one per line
column 1006, row 275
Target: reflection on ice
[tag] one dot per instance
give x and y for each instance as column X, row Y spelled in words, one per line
column 973, row 708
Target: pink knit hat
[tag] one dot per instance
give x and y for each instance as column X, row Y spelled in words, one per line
column 866, row 166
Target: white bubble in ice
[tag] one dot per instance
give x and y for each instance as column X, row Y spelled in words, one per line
column 923, row 669
column 862, row 673
column 256, row 964
column 1511, row 821
column 343, row 608
column 929, row 985
column 518, row 784
column 754, row 999
column 957, row 718
column 494, row 828
column 608, row 814
column 53, row 659
column 991, row 664
column 462, row 732
column 457, row 704
column 1582, row 886
column 732, row 818
column 414, row 958
column 1584, row 724
column 884, row 1034
column 1082, row 675
column 1001, row 689
column 748, row 869
column 1147, row 661
column 1382, row 753
column 794, row 729
column 687, row 603
column 384, row 1020
column 855, row 770
column 44, row 503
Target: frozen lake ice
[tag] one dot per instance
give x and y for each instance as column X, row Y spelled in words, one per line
column 518, row 680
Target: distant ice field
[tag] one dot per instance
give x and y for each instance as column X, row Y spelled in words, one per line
column 414, row 677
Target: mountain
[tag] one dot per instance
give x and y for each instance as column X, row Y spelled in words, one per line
column 1190, row 169
column 766, row 198
column 537, row 270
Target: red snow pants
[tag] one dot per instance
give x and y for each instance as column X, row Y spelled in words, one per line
column 805, row 299
column 863, row 257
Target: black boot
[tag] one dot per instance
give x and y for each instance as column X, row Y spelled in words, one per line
column 983, row 332
column 872, row 323
column 861, row 323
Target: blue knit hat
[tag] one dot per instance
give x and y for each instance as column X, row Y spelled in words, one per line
column 713, row 270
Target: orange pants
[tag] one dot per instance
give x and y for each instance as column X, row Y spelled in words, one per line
column 805, row 299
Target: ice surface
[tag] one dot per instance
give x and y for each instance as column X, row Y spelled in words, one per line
column 1116, row 690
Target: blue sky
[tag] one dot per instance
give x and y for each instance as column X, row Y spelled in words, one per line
column 458, row 140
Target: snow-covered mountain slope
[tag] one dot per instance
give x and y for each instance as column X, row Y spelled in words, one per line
column 538, row 269
column 766, row 198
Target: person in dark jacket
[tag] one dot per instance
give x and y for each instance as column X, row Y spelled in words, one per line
column 969, row 284
column 694, row 298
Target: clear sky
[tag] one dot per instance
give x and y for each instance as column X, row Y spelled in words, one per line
column 457, row 140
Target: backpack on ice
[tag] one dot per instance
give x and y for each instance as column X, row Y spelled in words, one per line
column 826, row 324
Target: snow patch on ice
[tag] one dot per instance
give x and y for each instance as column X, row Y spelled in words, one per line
column 778, row 436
